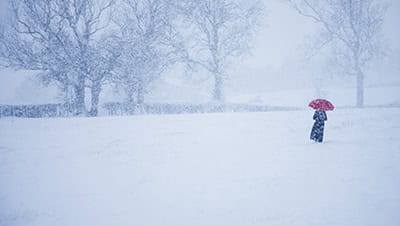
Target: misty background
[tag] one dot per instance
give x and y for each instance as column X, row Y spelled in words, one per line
column 277, row 62
column 277, row 162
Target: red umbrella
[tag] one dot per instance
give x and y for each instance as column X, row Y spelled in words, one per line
column 321, row 105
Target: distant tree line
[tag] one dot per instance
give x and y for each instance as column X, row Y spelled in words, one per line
column 35, row 111
column 81, row 45
column 118, row 109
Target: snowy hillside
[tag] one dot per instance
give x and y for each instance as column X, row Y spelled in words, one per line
column 197, row 170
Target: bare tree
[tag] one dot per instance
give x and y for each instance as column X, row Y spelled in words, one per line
column 352, row 27
column 103, row 62
column 58, row 38
column 148, row 45
column 221, row 31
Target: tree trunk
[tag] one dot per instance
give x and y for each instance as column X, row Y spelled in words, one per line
column 140, row 93
column 130, row 101
column 360, row 88
column 139, row 108
column 79, row 102
column 218, row 88
column 95, row 97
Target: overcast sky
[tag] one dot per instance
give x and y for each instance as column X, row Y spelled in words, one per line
column 276, row 62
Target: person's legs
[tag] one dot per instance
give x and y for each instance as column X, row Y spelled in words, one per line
column 313, row 136
column 321, row 134
column 314, row 132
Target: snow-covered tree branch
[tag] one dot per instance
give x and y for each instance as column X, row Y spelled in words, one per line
column 148, row 45
column 58, row 38
column 352, row 27
column 221, row 31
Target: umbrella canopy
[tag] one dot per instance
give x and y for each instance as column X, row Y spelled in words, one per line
column 321, row 105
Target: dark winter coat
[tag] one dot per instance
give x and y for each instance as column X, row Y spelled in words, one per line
column 317, row 132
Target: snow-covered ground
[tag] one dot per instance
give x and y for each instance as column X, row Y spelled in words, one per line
column 202, row 170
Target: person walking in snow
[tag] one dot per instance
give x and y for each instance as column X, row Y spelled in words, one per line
column 320, row 106
column 317, row 132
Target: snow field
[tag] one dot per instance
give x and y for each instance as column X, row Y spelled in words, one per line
column 202, row 169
